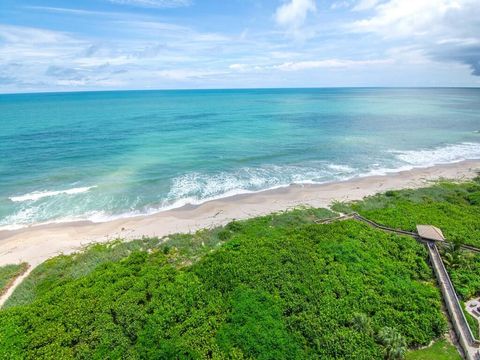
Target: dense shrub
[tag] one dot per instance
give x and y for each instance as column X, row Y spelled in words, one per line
column 452, row 207
column 466, row 276
column 275, row 289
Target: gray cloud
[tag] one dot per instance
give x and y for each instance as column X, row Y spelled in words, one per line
column 444, row 30
column 91, row 50
column 465, row 54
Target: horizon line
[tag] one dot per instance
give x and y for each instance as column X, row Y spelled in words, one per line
column 239, row 88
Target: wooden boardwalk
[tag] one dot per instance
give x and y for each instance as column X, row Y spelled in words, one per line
column 469, row 344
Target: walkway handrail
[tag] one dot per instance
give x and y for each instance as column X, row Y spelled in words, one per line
column 471, row 248
column 386, row 228
column 464, row 332
column 409, row 233
column 459, row 309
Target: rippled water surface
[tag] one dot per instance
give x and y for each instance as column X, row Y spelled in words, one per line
column 103, row 155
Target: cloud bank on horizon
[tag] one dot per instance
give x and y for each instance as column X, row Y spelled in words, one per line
column 164, row 44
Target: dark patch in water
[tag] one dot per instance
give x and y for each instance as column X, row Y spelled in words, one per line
column 195, row 116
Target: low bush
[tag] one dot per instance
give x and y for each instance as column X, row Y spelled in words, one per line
column 277, row 288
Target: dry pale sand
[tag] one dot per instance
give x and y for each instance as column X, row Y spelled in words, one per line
column 36, row 244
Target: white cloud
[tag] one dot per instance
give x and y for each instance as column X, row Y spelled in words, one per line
column 90, row 82
column 293, row 14
column 70, row 11
column 365, row 5
column 154, row 3
column 328, row 63
column 22, row 34
column 342, row 4
column 185, row 74
column 399, row 18
column 34, row 58
column 309, row 65
column 26, row 45
column 442, row 29
column 132, row 50
column 239, row 67
column 409, row 54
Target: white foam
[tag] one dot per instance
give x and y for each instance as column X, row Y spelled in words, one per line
column 18, row 220
column 440, row 155
column 37, row 195
column 411, row 159
column 197, row 188
column 341, row 168
column 382, row 171
column 190, row 189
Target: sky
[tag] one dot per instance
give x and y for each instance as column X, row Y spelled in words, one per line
column 67, row 45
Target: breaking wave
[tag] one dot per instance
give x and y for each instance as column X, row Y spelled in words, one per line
column 37, row 195
column 440, row 155
column 195, row 188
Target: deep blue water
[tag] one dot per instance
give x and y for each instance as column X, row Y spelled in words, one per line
column 101, row 155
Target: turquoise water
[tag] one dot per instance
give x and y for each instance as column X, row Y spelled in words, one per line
column 102, row 155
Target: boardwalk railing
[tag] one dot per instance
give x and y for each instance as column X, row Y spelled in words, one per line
column 357, row 216
column 468, row 342
column 460, row 324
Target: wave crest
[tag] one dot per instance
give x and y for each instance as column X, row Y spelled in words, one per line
column 37, row 195
column 195, row 188
column 440, row 155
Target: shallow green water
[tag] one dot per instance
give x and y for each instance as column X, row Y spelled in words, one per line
column 98, row 156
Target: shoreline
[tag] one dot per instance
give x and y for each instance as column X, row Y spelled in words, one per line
column 38, row 243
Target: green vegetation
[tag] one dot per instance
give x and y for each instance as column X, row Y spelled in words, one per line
column 393, row 342
column 274, row 287
column 62, row 269
column 472, row 322
column 8, row 273
column 466, row 275
column 455, row 208
column 189, row 248
column 440, row 350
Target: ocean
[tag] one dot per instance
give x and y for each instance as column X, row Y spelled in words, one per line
column 104, row 155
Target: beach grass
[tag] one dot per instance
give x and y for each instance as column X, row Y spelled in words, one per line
column 9, row 273
column 440, row 350
column 279, row 286
column 188, row 247
column 63, row 268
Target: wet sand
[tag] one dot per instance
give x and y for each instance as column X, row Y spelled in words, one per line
column 36, row 244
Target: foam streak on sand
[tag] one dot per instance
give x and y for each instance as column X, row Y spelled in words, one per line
column 36, row 244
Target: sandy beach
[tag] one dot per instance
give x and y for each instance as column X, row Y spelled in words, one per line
column 38, row 243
